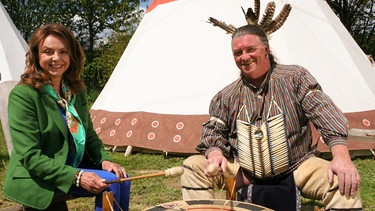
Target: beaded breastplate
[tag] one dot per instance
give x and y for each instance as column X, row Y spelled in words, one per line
column 263, row 151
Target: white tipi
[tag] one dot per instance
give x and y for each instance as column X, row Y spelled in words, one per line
column 12, row 49
column 158, row 95
column 12, row 64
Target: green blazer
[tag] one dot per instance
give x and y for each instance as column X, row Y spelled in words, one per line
column 40, row 147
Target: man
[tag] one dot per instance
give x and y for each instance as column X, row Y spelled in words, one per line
column 260, row 132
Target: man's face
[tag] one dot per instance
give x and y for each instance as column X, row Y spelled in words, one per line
column 251, row 56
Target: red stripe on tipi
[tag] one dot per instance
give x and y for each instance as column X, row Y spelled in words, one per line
column 155, row 3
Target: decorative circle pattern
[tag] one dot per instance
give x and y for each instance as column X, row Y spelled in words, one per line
column 112, row 133
column 98, row 129
column 177, row 138
column 366, row 122
column 180, row 126
column 134, row 121
column 151, row 136
column 129, row 133
column 155, row 124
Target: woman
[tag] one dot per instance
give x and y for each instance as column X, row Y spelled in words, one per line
column 56, row 152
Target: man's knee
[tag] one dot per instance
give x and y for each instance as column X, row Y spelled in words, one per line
column 195, row 185
column 311, row 178
column 194, row 162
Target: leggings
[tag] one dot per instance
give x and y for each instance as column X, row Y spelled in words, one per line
column 121, row 191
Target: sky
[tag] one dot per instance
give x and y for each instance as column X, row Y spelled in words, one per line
column 145, row 4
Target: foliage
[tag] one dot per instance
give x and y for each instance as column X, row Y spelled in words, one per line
column 103, row 28
column 358, row 16
column 94, row 17
column 90, row 20
column 98, row 71
column 92, row 94
column 29, row 15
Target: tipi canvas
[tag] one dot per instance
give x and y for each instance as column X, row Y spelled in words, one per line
column 12, row 49
column 12, row 64
column 159, row 93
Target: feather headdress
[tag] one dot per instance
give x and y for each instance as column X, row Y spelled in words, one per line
column 267, row 23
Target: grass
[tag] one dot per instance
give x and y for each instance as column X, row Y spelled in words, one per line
column 150, row 192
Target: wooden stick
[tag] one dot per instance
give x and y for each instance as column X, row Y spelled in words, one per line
column 175, row 171
column 107, row 201
column 231, row 188
column 213, row 169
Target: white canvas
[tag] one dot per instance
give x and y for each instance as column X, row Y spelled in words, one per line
column 12, row 49
column 176, row 61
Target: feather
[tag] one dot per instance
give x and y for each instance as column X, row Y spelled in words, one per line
column 279, row 20
column 253, row 16
column 268, row 15
column 257, row 9
column 250, row 16
column 230, row 29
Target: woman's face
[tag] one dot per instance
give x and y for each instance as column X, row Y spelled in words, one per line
column 54, row 57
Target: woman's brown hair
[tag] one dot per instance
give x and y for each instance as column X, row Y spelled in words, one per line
column 36, row 77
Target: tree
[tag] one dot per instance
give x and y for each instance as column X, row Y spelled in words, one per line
column 358, row 17
column 28, row 15
column 89, row 19
column 103, row 28
column 101, row 67
column 94, row 17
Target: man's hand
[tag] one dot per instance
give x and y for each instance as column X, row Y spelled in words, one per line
column 215, row 158
column 347, row 174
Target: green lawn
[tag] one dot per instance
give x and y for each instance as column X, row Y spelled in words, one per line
column 152, row 191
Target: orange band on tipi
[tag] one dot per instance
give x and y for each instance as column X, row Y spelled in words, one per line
column 155, row 3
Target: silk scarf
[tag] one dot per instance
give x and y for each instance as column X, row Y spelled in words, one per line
column 73, row 121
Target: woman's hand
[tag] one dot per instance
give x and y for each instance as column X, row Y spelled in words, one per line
column 115, row 168
column 92, row 182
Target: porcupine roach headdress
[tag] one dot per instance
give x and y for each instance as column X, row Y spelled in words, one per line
column 268, row 24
